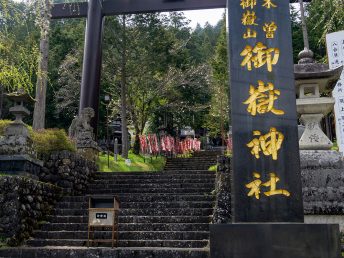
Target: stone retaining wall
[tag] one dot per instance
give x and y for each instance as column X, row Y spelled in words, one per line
column 68, row 170
column 222, row 210
column 24, row 202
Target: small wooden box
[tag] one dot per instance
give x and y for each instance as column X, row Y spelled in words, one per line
column 103, row 213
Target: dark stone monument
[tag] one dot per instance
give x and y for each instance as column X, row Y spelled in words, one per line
column 267, row 205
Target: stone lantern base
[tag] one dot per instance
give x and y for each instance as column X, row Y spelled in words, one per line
column 313, row 138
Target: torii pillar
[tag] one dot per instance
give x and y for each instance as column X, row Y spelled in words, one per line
column 92, row 61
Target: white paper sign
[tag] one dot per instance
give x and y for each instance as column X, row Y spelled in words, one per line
column 335, row 51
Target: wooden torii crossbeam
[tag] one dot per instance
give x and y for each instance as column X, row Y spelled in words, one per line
column 94, row 11
column 115, row 7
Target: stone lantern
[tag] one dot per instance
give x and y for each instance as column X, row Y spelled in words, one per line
column 312, row 80
column 17, row 138
column 18, row 128
column 16, row 151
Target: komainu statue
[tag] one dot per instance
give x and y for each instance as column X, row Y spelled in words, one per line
column 81, row 131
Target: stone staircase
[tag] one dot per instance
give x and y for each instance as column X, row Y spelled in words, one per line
column 163, row 214
column 199, row 161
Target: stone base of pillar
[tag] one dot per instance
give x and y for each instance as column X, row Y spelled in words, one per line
column 320, row 159
column 267, row 240
column 313, row 138
column 20, row 165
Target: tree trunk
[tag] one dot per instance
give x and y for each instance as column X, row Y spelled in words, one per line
column 1, row 100
column 222, row 121
column 304, row 26
column 42, row 75
column 125, row 146
column 136, row 148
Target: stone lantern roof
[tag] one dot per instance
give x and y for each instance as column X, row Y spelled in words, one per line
column 307, row 71
column 20, row 96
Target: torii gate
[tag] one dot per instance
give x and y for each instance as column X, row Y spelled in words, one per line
column 95, row 11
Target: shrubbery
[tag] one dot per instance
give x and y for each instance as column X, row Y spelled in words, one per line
column 47, row 140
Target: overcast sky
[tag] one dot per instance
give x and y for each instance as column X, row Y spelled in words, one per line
column 211, row 16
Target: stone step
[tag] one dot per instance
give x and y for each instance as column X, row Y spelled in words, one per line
column 143, row 212
column 78, row 252
column 167, row 174
column 142, row 205
column 134, row 219
column 152, row 190
column 145, row 198
column 191, row 162
column 185, row 168
column 195, row 157
column 130, row 227
column 122, row 243
column 156, row 181
column 190, row 165
column 106, row 186
column 125, row 235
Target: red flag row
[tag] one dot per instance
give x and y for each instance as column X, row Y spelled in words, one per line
column 152, row 145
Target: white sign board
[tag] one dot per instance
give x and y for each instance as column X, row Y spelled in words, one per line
column 335, row 51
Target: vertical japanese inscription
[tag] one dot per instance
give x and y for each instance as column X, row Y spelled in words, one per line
column 266, row 176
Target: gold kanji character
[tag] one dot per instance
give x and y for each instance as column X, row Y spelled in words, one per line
column 270, row 29
column 263, row 55
column 254, row 186
column 250, row 33
column 248, row 3
column 272, row 184
column 269, row 4
column 262, row 99
column 249, row 18
column 269, row 143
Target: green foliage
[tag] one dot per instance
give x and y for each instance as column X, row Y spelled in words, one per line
column 18, row 46
column 50, row 140
column 3, row 242
column 322, row 17
column 138, row 163
column 3, row 125
column 297, row 37
column 213, row 168
column 218, row 118
column 45, row 141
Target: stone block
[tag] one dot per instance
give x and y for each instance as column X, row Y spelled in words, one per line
column 22, row 165
column 282, row 240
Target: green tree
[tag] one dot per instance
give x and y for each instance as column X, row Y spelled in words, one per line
column 18, row 48
column 218, row 118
